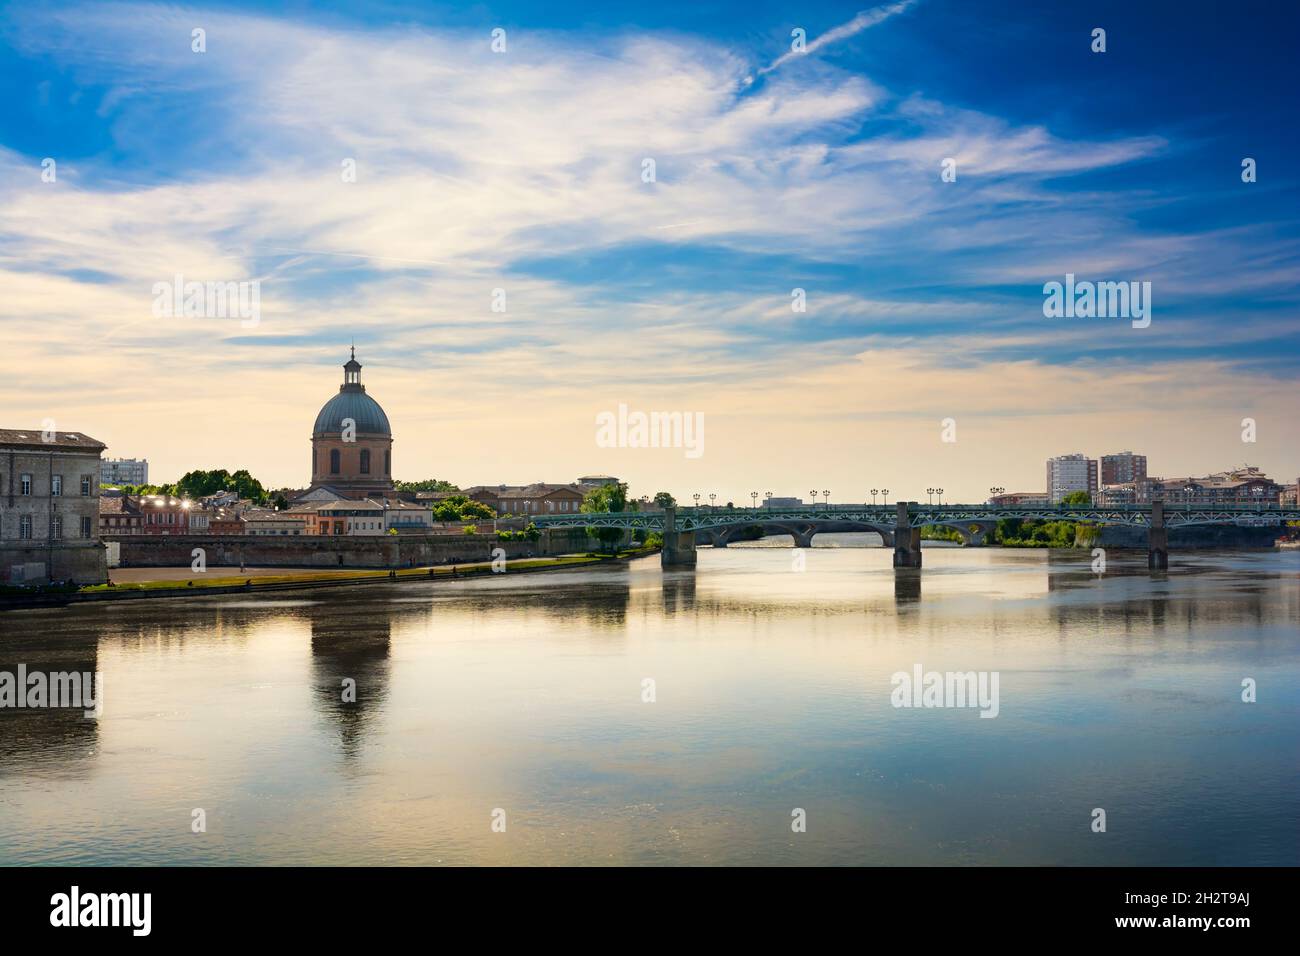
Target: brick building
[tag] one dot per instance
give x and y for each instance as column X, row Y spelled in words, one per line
column 351, row 444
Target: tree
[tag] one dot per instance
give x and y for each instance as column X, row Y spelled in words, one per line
column 476, row 509
column 664, row 500
column 426, row 484
column 461, row 508
column 1076, row 498
column 200, row 484
column 607, row 499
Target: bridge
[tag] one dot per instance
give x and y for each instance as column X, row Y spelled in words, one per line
column 900, row 524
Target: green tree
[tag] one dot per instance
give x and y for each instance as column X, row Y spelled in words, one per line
column 426, row 484
column 1076, row 498
column 607, row 499
column 461, row 508
column 664, row 500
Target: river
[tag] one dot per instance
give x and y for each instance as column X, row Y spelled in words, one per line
column 526, row 701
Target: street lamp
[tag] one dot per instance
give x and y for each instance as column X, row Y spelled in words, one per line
column 930, row 494
column 767, row 500
column 696, row 496
column 874, row 492
column 753, row 496
column 826, row 497
column 814, row 498
column 939, row 492
column 885, row 493
column 711, row 498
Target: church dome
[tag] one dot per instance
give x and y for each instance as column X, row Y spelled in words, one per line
column 352, row 402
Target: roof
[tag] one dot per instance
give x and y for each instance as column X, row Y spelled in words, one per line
column 538, row 489
column 117, row 505
column 36, row 436
column 352, row 402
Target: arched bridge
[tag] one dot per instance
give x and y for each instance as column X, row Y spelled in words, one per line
column 900, row 524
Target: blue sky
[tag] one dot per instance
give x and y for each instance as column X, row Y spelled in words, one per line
column 521, row 171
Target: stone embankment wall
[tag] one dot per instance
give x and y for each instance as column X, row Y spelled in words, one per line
column 378, row 551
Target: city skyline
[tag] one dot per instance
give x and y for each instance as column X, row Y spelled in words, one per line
column 924, row 298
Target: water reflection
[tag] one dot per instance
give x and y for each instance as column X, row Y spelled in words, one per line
column 525, row 692
column 350, row 668
column 47, row 741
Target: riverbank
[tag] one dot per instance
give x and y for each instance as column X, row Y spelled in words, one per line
column 203, row 584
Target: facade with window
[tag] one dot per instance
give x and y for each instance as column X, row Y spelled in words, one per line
column 536, row 499
column 124, row 471
column 49, row 507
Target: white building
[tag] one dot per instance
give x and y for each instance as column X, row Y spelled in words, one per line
column 124, row 471
column 1070, row 473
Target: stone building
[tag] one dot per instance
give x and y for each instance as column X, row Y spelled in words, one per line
column 49, row 508
column 351, row 444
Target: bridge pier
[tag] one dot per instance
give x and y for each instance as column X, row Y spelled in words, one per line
column 679, row 546
column 907, row 540
column 1157, row 539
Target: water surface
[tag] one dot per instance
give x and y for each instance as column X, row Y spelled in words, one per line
column 772, row 692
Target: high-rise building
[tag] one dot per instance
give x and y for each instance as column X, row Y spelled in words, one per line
column 1125, row 466
column 124, row 471
column 1069, row 473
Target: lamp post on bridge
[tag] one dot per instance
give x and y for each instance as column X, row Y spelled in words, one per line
column 767, row 500
column 874, row 492
column 696, row 496
column 993, row 493
column 814, row 498
column 826, row 497
column 711, row 498
column 929, row 494
column 753, row 496
column 939, row 492
column 885, row 496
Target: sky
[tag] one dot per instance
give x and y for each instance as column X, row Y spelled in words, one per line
column 524, row 170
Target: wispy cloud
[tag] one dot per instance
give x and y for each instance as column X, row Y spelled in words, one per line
column 523, row 172
column 865, row 20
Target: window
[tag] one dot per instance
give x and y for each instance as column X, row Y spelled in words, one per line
column 388, row 461
column 25, row 527
column 85, row 526
column 58, row 527
column 365, row 461
column 85, row 486
column 56, row 486
column 25, row 484
column 334, row 461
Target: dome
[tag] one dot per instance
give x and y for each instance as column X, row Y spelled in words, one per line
column 352, row 402
column 359, row 407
